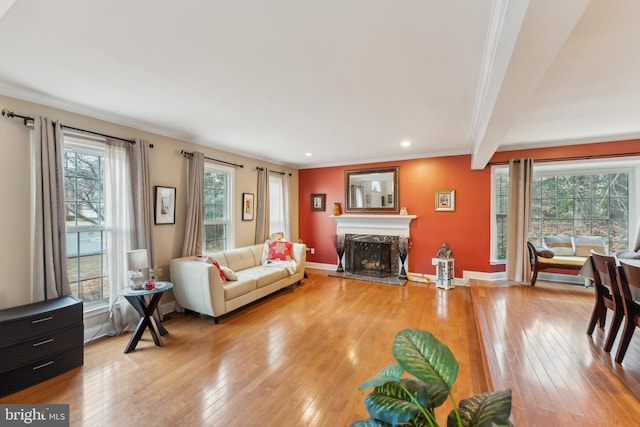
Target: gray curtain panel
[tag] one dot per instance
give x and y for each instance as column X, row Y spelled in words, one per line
column 49, row 276
column 519, row 206
column 262, row 206
column 195, row 206
column 142, row 193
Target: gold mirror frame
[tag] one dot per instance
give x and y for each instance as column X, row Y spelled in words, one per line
column 373, row 190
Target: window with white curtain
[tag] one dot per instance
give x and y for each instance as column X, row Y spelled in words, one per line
column 276, row 203
column 573, row 198
column 218, row 226
column 85, row 220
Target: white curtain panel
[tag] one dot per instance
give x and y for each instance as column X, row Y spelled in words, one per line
column 120, row 232
column 195, row 206
column 49, row 272
column 519, row 206
column 262, row 206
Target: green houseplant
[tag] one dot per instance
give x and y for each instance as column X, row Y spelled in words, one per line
column 410, row 401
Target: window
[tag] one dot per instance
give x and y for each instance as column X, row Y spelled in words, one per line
column 218, row 228
column 276, row 204
column 579, row 199
column 84, row 211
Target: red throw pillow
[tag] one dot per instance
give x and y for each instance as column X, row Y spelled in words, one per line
column 214, row 262
column 280, row 250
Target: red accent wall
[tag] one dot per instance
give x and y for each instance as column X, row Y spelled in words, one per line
column 466, row 230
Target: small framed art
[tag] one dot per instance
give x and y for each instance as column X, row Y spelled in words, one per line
column 445, row 200
column 165, row 205
column 318, row 202
column 247, row 206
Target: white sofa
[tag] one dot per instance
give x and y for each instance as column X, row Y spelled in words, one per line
column 198, row 286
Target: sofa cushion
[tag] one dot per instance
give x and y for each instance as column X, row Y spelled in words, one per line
column 240, row 258
column 559, row 245
column 264, row 275
column 583, row 245
column 279, row 250
column 237, row 288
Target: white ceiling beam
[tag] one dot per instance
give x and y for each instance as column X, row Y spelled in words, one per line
column 544, row 31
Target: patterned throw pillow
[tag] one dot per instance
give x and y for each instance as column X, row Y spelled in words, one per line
column 229, row 273
column 559, row 245
column 215, row 262
column 279, row 250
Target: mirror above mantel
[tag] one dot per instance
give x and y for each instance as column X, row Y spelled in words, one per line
column 372, row 190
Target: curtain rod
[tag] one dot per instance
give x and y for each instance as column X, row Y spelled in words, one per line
column 11, row 114
column 281, row 173
column 559, row 159
column 189, row 154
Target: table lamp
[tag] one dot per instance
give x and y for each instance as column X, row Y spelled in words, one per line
column 137, row 260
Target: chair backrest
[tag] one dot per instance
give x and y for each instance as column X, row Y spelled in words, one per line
column 605, row 277
column 532, row 253
column 630, row 277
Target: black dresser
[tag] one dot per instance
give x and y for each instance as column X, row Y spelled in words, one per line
column 39, row 341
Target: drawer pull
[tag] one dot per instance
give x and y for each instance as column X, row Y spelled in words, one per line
column 43, row 342
column 43, row 365
column 44, row 319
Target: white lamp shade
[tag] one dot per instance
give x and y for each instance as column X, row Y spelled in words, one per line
column 137, row 259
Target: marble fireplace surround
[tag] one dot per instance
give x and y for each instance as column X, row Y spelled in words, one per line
column 374, row 225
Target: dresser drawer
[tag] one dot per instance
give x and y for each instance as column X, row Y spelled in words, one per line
column 40, row 370
column 36, row 348
column 32, row 320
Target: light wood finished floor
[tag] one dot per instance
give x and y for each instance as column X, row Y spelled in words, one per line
column 536, row 344
column 296, row 358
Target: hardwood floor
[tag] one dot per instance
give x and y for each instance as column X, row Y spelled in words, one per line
column 297, row 358
column 536, row 344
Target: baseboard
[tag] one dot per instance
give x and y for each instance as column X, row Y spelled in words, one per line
column 321, row 266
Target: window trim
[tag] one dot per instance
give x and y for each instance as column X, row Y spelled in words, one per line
column 95, row 147
column 230, row 223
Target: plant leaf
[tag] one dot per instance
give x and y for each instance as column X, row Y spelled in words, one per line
column 426, row 358
column 370, row 423
column 391, row 404
column 484, row 410
column 391, row 372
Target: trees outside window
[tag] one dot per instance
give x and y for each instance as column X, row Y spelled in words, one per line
column 218, row 227
column 84, row 212
column 586, row 200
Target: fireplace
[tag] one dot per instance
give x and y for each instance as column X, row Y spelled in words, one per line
column 371, row 255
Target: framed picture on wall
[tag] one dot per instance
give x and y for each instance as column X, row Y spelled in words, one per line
column 247, row 206
column 318, row 202
column 165, row 212
column 445, row 200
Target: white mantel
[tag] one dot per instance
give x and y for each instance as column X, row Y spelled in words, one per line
column 385, row 225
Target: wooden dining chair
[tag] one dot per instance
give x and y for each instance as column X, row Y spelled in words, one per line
column 629, row 278
column 608, row 296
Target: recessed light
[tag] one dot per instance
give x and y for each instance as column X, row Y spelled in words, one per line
column 406, row 143
column 308, row 154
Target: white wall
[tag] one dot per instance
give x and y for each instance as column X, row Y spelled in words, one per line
column 168, row 168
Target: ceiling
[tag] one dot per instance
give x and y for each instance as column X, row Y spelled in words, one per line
column 344, row 80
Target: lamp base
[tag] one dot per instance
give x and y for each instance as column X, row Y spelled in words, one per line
column 136, row 280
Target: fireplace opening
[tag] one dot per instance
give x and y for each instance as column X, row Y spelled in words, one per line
column 371, row 255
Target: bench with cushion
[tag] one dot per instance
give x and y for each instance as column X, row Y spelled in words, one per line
column 563, row 252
